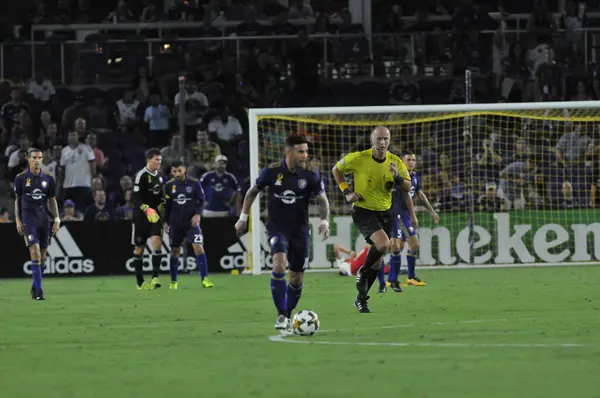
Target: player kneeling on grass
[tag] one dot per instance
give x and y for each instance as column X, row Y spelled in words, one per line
column 34, row 196
column 290, row 187
column 184, row 204
column 404, row 228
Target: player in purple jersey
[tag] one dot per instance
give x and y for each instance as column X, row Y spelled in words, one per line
column 34, row 197
column 183, row 207
column 404, row 230
column 290, row 188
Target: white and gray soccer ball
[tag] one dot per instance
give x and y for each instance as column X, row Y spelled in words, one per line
column 305, row 323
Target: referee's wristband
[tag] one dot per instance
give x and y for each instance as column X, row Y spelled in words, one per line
column 57, row 220
column 344, row 186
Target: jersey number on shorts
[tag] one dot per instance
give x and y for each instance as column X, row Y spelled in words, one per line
column 197, row 238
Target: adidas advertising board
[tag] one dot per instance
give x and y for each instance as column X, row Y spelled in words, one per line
column 64, row 257
column 185, row 263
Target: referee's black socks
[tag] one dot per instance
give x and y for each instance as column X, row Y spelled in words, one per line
column 369, row 274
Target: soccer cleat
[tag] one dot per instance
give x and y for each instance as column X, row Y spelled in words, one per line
column 39, row 296
column 155, row 284
column 415, row 282
column 382, row 288
column 207, row 283
column 173, row 286
column 361, row 304
column 145, row 286
column 395, row 285
column 284, row 325
column 33, row 292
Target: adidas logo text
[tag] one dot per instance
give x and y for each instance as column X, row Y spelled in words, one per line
column 238, row 257
column 188, row 262
column 64, row 257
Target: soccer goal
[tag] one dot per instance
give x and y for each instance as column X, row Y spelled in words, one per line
column 512, row 183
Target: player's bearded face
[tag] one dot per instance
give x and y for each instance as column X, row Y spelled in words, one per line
column 178, row 173
column 300, row 155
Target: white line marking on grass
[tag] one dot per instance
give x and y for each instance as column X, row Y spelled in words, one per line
column 283, row 339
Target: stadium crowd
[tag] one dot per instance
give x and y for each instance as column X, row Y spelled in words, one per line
column 97, row 118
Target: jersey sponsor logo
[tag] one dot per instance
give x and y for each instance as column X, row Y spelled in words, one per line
column 64, row 256
column 288, row 197
column 302, row 183
column 185, row 262
column 37, row 194
column 181, row 199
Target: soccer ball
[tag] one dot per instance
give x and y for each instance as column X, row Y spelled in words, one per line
column 305, row 323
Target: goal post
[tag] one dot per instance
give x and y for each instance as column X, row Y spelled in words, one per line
column 546, row 212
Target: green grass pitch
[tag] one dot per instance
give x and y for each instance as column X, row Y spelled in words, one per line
column 518, row 332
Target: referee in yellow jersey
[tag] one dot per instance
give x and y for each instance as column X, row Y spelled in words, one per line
column 375, row 172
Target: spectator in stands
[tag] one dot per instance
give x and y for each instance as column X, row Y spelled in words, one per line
column 466, row 17
column 100, row 210
column 520, row 153
column 157, row 117
column 489, row 161
column 77, row 168
column 126, row 114
column 91, row 141
column 173, row 153
column 196, row 105
column 97, row 185
column 300, row 9
column 62, row 13
column 181, row 10
column 150, row 14
column 581, row 92
column 125, row 212
column 74, row 112
column 144, row 85
column 70, row 213
column 244, row 91
column 41, row 87
column 121, row 13
column 550, row 80
column 48, row 136
column 202, row 154
column 220, row 188
column 226, row 128
column 12, row 114
column 272, row 92
column 500, row 50
column 19, row 154
column 457, row 92
column 489, row 202
column 49, row 165
column 514, row 71
column 304, row 58
column 573, row 19
column 541, row 22
column 513, row 180
column 117, row 198
column 4, row 216
column 101, row 116
column 572, row 146
column 568, row 200
column 406, row 91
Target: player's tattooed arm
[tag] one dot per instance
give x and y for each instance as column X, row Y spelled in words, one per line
column 324, row 214
column 249, row 199
column 323, row 203
column 53, row 208
column 430, row 209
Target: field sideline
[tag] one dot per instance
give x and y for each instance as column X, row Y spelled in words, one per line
column 526, row 332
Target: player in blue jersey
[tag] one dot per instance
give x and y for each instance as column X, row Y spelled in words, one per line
column 405, row 230
column 34, row 198
column 290, row 187
column 184, row 204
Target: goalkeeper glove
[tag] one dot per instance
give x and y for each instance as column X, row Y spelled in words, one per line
column 161, row 208
column 151, row 214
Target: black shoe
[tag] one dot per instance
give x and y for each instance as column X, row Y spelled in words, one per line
column 382, row 288
column 395, row 285
column 33, row 292
column 361, row 304
column 40, row 296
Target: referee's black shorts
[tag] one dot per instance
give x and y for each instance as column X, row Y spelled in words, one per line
column 142, row 229
column 370, row 221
